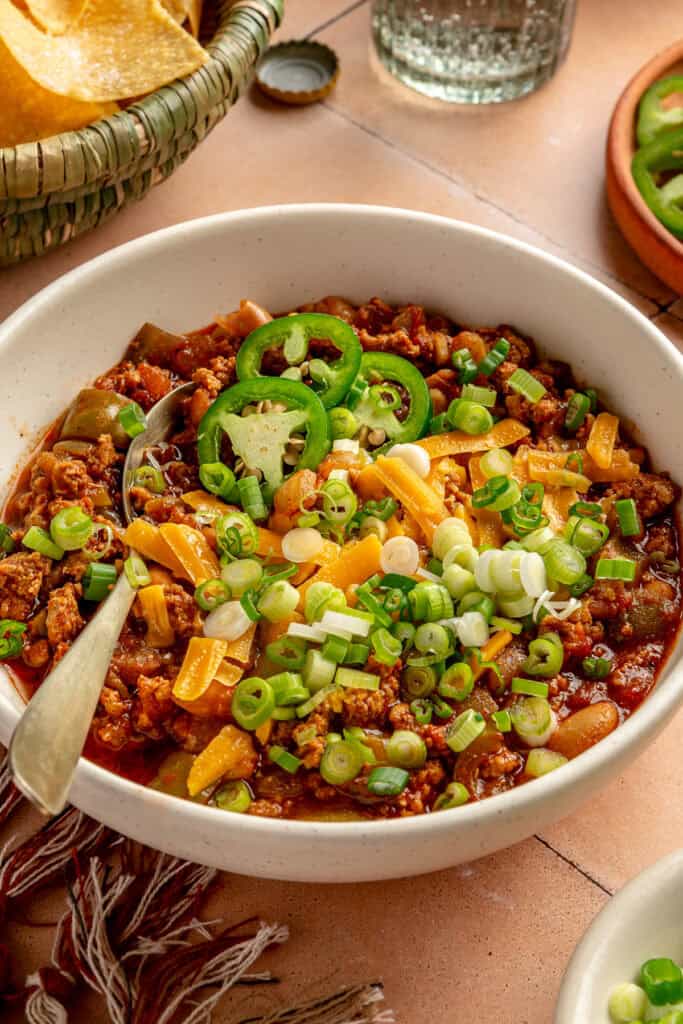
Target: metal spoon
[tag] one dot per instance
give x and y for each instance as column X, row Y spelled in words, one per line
column 48, row 740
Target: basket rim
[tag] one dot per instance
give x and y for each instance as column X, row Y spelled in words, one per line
column 233, row 51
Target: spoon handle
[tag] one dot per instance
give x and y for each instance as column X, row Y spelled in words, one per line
column 50, row 735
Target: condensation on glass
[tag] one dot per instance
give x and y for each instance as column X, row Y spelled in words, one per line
column 472, row 51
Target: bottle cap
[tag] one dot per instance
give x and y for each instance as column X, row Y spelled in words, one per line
column 298, row 72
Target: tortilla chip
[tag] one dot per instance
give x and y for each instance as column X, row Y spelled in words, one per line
column 118, row 48
column 184, row 10
column 35, row 113
column 55, row 16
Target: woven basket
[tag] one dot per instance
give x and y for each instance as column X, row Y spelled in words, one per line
column 55, row 189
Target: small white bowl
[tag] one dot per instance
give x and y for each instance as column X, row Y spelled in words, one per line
column 644, row 920
column 284, row 256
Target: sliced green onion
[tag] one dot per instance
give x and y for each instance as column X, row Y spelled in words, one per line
column 288, row 652
column 662, row 980
column 71, row 528
column 422, row 710
column 132, row 419
column 546, row 655
column 386, row 648
column 318, row 671
column 494, row 357
column 236, row 534
column 211, row 593
column 315, row 700
column 284, row 714
column 538, row 540
column 341, row 762
column 253, row 702
column 309, row 520
column 370, row 602
column 151, row 478
column 431, row 638
column 323, row 597
column 251, row 498
column 470, row 417
column 248, row 602
column 596, row 668
column 502, row 720
column 418, row 681
column 563, row 562
column 465, row 365
column 496, row 462
column 288, row 688
column 278, row 601
column 136, row 571
column 527, row 385
column 616, row 569
column 448, row 533
column 578, row 408
column 475, row 601
column 6, row 540
column 459, row 581
column 383, row 509
column 464, row 730
column 592, row 397
column 588, row 536
column 629, row 520
column 441, row 708
column 454, row 795
column 388, row 781
column 533, row 720
column 586, row 509
column 482, row 396
column 497, row 494
column 339, row 502
column 242, row 575
column 358, row 389
column 457, row 682
column 218, row 479
column 335, row 649
column 100, row 544
column 529, row 687
column 463, row 555
column 354, row 679
column 98, row 581
column 11, row 644
column 283, row 759
column 439, row 424
column 508, row 624
column 406, row 749
column 371, row 525
column 358, row 654
column 234, row 796
column 343, row 423
column 627, row 1002
column 583, row 584
column 37, row 539
column 541, row 761
column 430, row 602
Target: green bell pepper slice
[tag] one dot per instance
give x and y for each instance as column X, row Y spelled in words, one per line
column 653, row 117
column 293, row 334
column 665, row 201
column 376, row 401
column 260, row 439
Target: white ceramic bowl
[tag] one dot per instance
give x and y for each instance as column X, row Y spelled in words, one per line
column 283, row 256
column 644, row 920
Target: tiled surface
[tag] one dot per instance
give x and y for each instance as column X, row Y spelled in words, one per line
column 489, row 941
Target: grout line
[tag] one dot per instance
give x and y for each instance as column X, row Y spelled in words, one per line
column 466, row 187
column 337, row 17
column 575, row 866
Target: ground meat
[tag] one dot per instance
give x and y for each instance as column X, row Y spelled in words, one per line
column 168, row 509
column 487, row 766
column 64, row 620
column 661, row 538
column 21, row 580
column 652, row 493
column 208, row 381
column 192, row 733
column 36, row 654
column 134, row 658
column 153, row 705
column 421, row 791
column 142, row 383
column 182, row 610
column 634, row 674
column 503, row 762
column 266, row 809
column 607, row 599
column 370, row 708
column 578, row 633
column 522, row 352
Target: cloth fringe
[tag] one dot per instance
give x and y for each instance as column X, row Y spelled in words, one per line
column 10, row 797
column 357, row 1004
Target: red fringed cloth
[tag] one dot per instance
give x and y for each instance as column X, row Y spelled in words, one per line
column 131, row 933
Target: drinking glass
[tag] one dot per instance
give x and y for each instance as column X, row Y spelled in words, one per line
column 472, row 51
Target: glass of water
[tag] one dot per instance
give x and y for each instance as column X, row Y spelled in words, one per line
column 472, row 51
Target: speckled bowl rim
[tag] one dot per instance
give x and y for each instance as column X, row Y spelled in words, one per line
column 650, row 717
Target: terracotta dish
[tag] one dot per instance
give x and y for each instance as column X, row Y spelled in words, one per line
column 659, row 250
